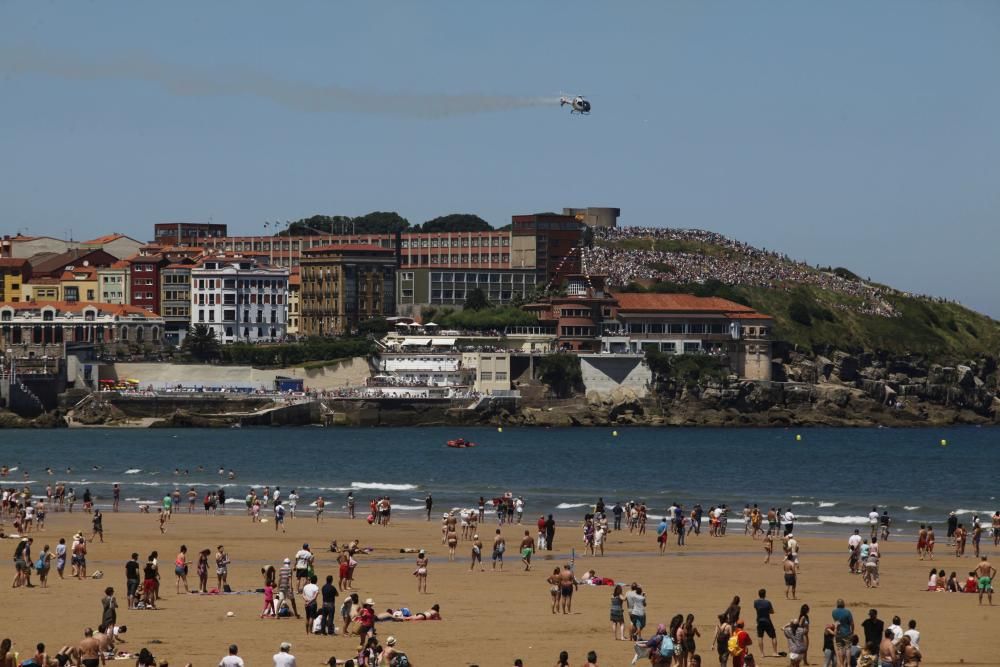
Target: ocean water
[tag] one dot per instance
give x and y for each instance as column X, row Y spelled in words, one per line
column 830, row 478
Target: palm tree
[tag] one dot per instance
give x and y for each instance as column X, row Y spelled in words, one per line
column 201, row 343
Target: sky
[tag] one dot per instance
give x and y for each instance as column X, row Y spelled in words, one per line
column 850, row 133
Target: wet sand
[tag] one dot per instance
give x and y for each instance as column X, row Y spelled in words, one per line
column 490, row 618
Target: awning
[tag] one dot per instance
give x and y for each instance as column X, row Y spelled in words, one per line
column 417, row 341
column 443, row 341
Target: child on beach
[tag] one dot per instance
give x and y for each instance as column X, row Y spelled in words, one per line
column 268, row 609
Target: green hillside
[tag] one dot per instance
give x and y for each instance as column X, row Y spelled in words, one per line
column 814, row 317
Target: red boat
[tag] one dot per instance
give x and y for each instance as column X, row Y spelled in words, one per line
column 460, row 443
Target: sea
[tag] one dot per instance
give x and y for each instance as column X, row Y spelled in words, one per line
column 830, row 478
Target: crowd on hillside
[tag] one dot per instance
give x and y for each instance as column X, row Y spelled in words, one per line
column 741, row 264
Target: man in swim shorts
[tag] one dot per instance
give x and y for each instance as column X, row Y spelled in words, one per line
column 791, row 580
column 527, row 549
column 90, row 650
column 985, row 573
column 567, row 584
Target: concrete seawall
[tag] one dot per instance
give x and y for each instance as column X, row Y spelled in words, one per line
column 350, row 372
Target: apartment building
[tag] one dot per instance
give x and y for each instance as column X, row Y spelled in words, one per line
column 114, row 282
column 240, row 299
column 343, row 285
column 175, row 301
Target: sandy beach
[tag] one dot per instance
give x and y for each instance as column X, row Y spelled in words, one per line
column 490, row 618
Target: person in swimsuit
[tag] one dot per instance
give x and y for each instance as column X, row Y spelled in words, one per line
column 554, row 582
column 499, row 546
column 181, row 564
column 421, row 571
column 526, row 550
column 89, row 650
column 477, row 553
column 791, row 579
column 222, row 567
column 984, row 584
column 567, row 585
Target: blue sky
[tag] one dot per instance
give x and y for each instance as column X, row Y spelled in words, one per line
column 857, row 134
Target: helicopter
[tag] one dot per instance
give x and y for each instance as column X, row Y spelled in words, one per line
column 578, row 103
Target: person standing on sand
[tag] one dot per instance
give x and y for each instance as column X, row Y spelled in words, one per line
column 181, row 564
column 765, row 626
column 985, row 572
column 320, row 505
column 618, row 614
column 310, row 595
column 109, row 609
column 550, row 532
column 222, row 567
column 477, row 553
column 285, row 584
column 768, row 546
column 429, row 505
column 791, row 577
column 203, row 570
column 526, row 550
column 421, row 571
column 844, row 631
column 567, row 585
column 303, row 562
column 350, row 504
column 499, row 546
column 452, row 539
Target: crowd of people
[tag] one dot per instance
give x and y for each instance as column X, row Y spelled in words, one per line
column 737, row 264
column 330, row 608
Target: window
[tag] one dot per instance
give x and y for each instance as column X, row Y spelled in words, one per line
column 229, row 315
column 691, row 347
column 501, row 375
column 486, row 376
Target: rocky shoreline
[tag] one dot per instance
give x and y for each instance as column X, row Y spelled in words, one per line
column 811, row 390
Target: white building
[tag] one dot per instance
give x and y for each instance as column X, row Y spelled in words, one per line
column 243, row 301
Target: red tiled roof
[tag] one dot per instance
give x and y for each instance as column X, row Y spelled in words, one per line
column 13, row 262
column 643, row 302
column 349, row 247
column 90, row 271
column 107, row 238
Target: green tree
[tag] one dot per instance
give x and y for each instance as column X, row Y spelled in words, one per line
column 456, row 222
column 475, row 299
column 201, row 343
column 380, row 222
column 561, row 372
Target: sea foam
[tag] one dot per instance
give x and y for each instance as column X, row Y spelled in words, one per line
column 383, row 486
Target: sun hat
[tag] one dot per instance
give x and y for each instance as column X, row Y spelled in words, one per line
column 285, row 646
column 370, row 602
column 288, row 560
column 391, row 641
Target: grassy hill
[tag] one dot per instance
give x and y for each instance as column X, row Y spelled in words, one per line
column 815, row 317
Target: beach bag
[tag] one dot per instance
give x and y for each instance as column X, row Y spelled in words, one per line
column 40, row 563
column 666, row 647
column 734, row 645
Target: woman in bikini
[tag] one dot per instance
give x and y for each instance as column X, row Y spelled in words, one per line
column 421, row 572
column 181, row 569
column 553, row 582
column 203, row 570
